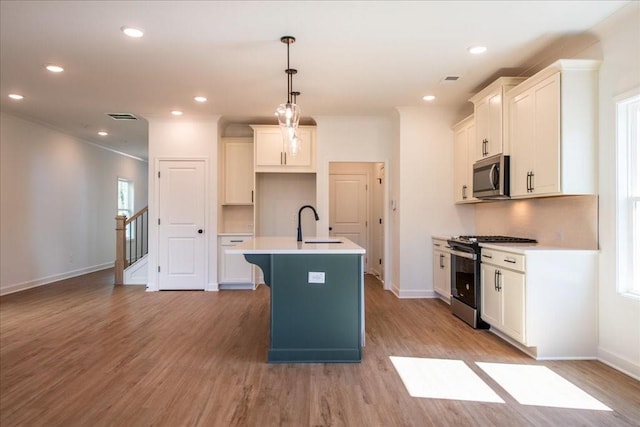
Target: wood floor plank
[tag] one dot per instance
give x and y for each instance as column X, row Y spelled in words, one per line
column 83, row 352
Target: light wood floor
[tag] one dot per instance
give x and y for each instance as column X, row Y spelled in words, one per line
column 83, row 352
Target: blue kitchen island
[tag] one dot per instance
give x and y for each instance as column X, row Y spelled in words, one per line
column 317, row 297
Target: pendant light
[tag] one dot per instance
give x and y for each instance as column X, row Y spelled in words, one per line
column 289, row 113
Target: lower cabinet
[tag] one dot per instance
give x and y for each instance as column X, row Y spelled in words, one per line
column 543, row 301
column 503, row 300
column 234, row 272
column 442, row 268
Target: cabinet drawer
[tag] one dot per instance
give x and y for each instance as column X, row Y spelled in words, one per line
column 233, row 240
column 503, row 259
column 441, row 245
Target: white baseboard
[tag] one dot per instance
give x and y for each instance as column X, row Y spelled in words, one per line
column 619, row 363
column 53, row 278
column 413, row 293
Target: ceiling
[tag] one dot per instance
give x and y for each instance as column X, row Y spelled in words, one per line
column 353, row 58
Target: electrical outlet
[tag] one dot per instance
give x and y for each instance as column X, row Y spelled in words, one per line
column 316, row 277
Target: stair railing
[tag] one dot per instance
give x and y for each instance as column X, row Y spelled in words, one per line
column 132, row 241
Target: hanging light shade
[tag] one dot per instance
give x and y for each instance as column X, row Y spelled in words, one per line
column 289, row 113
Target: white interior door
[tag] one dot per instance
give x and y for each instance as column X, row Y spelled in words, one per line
column 348, row 205
column 182, row 241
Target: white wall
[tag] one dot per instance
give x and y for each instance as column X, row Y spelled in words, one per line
column 425, row 204
column 619, row 317
column 181, row 138
column 351, row 139
column 58, row 204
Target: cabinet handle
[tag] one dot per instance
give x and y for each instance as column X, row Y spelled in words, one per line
column 441, row 261
column 437, row 244
column 532, row 176
column 495, row 280
column 487, row 256
column 464, row 192
column 236, row 241
column 499, row 280
column 529, row 182
column 251, row 196
column 510, row 260
column 285, row 158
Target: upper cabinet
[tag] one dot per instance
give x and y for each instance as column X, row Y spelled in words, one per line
column 238, row 171
column 271, row 153
column 489, row 116
column 464, row 155
column 551, row 130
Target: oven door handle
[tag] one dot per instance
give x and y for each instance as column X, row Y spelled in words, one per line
column 463, row 254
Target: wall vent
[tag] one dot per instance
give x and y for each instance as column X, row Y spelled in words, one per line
column 122, row 116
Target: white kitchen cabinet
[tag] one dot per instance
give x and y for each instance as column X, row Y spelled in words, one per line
column 271, row 153
column 238, row 171
column 541, row 300
column 234, row 272
column 442, row 269
column 464, row 157
column 489, row 116
column 551, row 131
column 502, row 300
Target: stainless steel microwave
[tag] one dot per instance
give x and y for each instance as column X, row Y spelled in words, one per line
column 491, row 177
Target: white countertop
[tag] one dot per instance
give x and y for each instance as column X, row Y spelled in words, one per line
column 249, row 233
column 289, row 245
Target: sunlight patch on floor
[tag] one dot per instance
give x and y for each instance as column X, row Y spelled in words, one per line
column 540, row 386
column 442, row 379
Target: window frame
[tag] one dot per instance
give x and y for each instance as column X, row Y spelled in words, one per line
column 628, row 193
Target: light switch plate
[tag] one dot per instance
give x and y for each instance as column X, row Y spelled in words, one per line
column 316, row 277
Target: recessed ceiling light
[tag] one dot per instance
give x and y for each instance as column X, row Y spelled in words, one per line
column 103, row 133
column 16, row 96
column 133, row 32
column 177, row 113
column 54, row 68
column 476, row 50
column 200, row 99
column 429, row 97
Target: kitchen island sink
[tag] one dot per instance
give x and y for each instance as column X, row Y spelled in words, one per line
column 317, row 297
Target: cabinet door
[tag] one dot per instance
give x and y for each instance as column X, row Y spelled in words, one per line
column 304, row 156
column 521, row 133
column 494, row 125
column 461, row 163
column 442, row 273
column 481, row 114
column 546, row 171
column 490, row 297
column 238, row 172
column 513, row 304
column 233, row 267
column 269, row 147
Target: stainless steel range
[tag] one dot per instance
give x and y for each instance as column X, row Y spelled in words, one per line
column 465, row 275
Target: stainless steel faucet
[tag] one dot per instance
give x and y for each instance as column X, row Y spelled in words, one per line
column 299, row 219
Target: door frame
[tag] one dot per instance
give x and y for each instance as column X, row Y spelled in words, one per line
column 154, row 229
column 384, row 209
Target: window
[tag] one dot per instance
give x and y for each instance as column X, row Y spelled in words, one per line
column 628, row 119
column 125, row 197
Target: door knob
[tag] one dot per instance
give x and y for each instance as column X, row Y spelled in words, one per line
column 200, row 231
column 330, row 228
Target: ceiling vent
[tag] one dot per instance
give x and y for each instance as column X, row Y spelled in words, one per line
column 450, row 79
column 122, row 116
